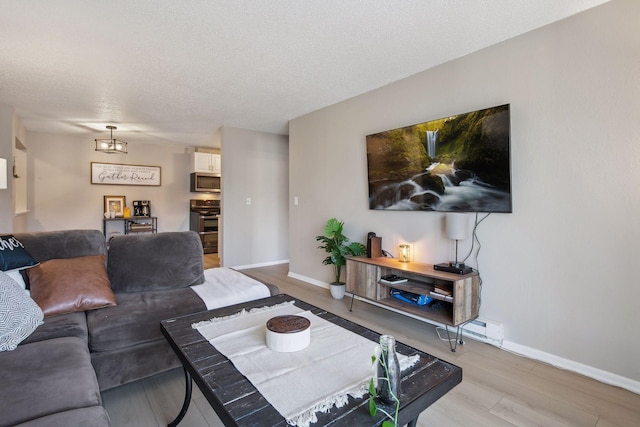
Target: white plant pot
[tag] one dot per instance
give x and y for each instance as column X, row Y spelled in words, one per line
column 337, row 290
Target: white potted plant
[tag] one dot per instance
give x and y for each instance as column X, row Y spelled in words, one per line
column 335, row 244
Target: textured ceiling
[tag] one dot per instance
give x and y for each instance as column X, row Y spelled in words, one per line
column 175, row 71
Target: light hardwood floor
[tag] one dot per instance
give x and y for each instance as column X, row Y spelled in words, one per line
column 211, row 261
column 498, row 388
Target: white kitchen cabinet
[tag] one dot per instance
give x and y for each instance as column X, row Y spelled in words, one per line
column 206, row 162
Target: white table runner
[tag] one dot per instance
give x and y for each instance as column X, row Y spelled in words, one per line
column 337, row 363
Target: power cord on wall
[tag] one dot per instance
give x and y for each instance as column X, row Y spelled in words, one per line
column 474, row 239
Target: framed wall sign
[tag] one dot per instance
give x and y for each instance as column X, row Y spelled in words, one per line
column 120, row 174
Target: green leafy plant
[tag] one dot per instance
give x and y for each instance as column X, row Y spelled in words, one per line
column 373, row 395
column 335, row 244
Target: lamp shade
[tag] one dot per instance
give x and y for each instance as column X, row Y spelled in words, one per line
column 458, row 226
column 3, row 173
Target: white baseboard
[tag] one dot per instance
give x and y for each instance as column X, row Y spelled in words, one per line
column 571, row 365
column 531, row 353
column 308, row 280
column 262, row 264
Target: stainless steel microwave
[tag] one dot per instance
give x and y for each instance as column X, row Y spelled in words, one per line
column 205, row 182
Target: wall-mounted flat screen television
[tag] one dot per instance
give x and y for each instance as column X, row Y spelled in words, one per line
column 459, row 163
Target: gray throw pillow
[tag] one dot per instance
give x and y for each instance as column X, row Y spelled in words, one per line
column 19, row 314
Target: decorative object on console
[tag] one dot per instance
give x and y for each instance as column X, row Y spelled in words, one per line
column 111, row 145
column 458, row 228
column 405, row 252
column 114, row 206
column 374, row 245
column 334, row 243
column 459, row 163
column 3, row 174
column 141, row 208
column 288, row 333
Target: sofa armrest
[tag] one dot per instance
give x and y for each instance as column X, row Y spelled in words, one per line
column 142, row 262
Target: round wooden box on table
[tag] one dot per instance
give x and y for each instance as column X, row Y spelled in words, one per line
column 288, row 333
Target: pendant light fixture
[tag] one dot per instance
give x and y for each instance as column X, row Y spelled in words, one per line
column 111, row 145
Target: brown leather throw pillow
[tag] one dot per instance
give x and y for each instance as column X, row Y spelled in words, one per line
column 75, row 284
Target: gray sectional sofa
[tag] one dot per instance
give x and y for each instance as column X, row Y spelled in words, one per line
column 55, row 376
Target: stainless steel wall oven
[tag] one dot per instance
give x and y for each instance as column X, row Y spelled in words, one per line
column 204, row 220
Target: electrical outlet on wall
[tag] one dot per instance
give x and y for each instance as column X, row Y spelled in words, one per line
column 248, row 201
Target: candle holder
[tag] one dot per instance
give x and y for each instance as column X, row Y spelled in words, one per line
column 405, row 252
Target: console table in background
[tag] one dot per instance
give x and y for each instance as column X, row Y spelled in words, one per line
column 133, row 224
column 457, row 295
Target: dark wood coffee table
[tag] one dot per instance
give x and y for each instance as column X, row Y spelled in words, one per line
column 238, row 403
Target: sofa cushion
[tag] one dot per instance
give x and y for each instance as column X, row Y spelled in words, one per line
column 136, row 318
column 47, row 377
column 93, row 416
column 145, row 262
column 67, row 285
column 13, row 255
column 61, row 325
column 19, row 314
column 45, row 245
column 123, row 366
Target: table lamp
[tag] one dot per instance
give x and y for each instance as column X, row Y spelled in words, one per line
column 405, row 252
column 458, row 228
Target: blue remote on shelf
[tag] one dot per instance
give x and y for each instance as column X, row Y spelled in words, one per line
column 410, row 297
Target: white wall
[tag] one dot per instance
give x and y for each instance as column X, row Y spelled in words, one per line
column 558, row 271
column 19, row 191
column 61, row 195
column 255, row 166
column 10, row 129
column 6, row 142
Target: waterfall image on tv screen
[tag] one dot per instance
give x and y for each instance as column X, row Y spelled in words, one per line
column 455, row 164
